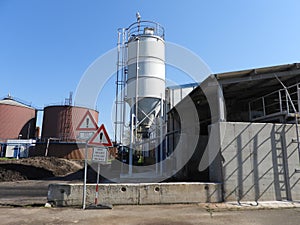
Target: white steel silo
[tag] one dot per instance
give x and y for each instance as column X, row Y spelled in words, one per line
column 141, row 84
column 146, row 72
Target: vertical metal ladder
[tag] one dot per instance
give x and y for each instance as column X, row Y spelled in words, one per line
column 120, row 87
column 67, row 119
column 296, row 115
column 67, row 123
column 282, row 166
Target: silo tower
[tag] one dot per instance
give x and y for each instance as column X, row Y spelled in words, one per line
column 141, row 76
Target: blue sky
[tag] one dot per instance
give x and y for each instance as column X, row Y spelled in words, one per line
column 46, row 45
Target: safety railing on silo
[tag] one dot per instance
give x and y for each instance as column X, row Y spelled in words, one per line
column 145, row 28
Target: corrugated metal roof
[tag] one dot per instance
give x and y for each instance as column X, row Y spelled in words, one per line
column 257, row 71
column 8, row 101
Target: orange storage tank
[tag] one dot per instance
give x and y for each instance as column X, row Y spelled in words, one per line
column 61, row 121
column 17, row 120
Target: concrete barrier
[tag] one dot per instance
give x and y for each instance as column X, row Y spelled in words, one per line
column 172, row 193
column 134, row 194
column 113, row 194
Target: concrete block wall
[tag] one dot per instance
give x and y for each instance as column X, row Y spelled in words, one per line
column 72, row 194
column 174, row 193
column 135, row 194
column 251, row 161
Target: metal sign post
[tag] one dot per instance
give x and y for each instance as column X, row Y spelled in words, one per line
column 97, row 185
column 86, row 128
column 101, row 139
column 99, row 155
column 85, row 176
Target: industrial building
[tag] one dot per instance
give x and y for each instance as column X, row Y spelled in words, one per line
column 248, row 136
column 245, row 139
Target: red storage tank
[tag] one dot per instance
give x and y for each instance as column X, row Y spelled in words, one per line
column 17, row 120
column 61, row 121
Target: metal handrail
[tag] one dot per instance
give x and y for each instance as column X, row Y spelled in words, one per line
column 289, row 106
column 267, row 102
column 137, row 29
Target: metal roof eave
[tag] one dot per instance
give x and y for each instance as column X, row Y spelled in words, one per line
column 258, row 74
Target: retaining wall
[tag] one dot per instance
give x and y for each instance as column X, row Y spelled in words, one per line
column 135, row 194
column 256, row 161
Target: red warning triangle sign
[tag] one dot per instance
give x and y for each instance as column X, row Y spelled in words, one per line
column 87, row 123
column 100, row 138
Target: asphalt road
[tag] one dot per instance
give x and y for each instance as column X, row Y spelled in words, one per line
column 17, row 190
column 20, row 193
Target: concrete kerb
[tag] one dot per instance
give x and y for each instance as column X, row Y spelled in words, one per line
column 136, row 194
column 249, row 205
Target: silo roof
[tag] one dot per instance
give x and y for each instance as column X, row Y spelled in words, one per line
column 8, row 101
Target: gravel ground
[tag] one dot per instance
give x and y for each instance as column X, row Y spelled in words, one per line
column 149, row 215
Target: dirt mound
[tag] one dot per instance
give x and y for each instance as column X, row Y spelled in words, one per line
column 37, row 168
column 10, row 175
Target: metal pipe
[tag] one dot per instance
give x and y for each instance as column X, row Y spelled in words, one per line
column 137, row 85
column 124, row 74
column 161, row 135
column 287, row 101
column 263, row 104
column 280, row 100
column 131, row 144
column 117, row 85
column 250, row 113
column 298, row 97
column 19, row 146
column 48, row 144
